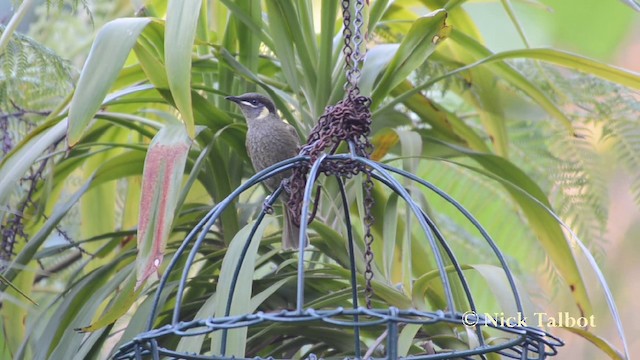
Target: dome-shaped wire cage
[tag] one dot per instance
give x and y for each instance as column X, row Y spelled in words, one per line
column 347, row 122
column 511, row 340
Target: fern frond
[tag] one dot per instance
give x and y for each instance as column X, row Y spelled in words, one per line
column 31, row 71
column 625, row 135
column 74, row 4
column 578, row 170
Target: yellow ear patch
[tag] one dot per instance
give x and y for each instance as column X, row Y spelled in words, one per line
column 263, row 114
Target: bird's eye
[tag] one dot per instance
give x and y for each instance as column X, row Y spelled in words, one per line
column 254, row 102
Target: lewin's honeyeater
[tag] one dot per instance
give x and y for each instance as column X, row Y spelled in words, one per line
column 269, row 141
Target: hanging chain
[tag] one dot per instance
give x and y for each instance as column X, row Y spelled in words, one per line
column 349, row 120
column 368, row 237
column 352, row 44
column 353, row 59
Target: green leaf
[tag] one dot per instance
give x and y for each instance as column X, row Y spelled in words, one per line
column 180, row 32
column 443, row 121
column 264, row 295
column 100, row 196
column 293, row 19
column 406, row 338
column 256, row 25
column 6, row 281
column 93, row 343
column 152, row 67
column 502, row 69
column 194, row 343
column 161, row 187
column 241, row 297
column 376, row 61
column 32, row 246
column 389, row 234
column 378, row 9
column 14, row 165
column 605, row 288
column 422, row 287
column 330, row 243
column 121, row 304
column 572, row 61
column 127, row 164
column 381, row 288
column 5, row 350
column 534, row 204
column 599, row 342
column 498, row 283
column 108, row 53
column 325, row 55
column 249, row 42
column 14, row 313
column 283, row 47
column 78, row 307
column 139, row 319
column 417, row 45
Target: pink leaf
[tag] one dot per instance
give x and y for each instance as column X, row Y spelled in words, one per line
column 161, row 186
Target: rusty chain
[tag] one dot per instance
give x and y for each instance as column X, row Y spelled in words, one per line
column 347, row 121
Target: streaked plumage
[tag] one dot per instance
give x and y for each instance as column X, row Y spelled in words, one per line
column 269, row 141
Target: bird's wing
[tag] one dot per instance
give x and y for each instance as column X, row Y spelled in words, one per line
column 248, row 146
column 293, row 132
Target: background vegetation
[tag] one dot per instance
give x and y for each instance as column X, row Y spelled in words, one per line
column 93, row 92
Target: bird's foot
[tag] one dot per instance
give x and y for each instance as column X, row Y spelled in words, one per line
column 266, row 207
column 286, row 185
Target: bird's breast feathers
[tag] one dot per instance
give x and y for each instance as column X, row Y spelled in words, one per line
column 271, row 142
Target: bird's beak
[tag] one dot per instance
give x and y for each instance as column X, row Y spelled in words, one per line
column 233, row 98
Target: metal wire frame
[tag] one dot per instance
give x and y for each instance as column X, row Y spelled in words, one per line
column 528, row 341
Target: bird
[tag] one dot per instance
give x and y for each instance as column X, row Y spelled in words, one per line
column 269, row 141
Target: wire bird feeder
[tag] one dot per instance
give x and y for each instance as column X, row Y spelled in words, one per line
column 348, row 121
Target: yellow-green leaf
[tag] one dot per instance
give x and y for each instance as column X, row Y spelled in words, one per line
column 241, row 296
column 417, row 45
column 608, row 72
column 123, row 301
column 535, row 207
column 180, row 32
column 21, row 158
column 6, row 281
column 107, row 55
column 599, row 342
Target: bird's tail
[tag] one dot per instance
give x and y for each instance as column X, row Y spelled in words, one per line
column 291, row 233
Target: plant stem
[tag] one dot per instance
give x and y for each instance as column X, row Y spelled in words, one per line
column 13, row 23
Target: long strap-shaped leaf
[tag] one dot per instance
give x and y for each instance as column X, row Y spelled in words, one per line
column 108, row 53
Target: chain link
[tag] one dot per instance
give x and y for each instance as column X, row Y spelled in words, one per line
column 353, row 43
column 358, row 40
column 347, row 50
column 364, row 147
column 347, row 121
column 368, row 237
